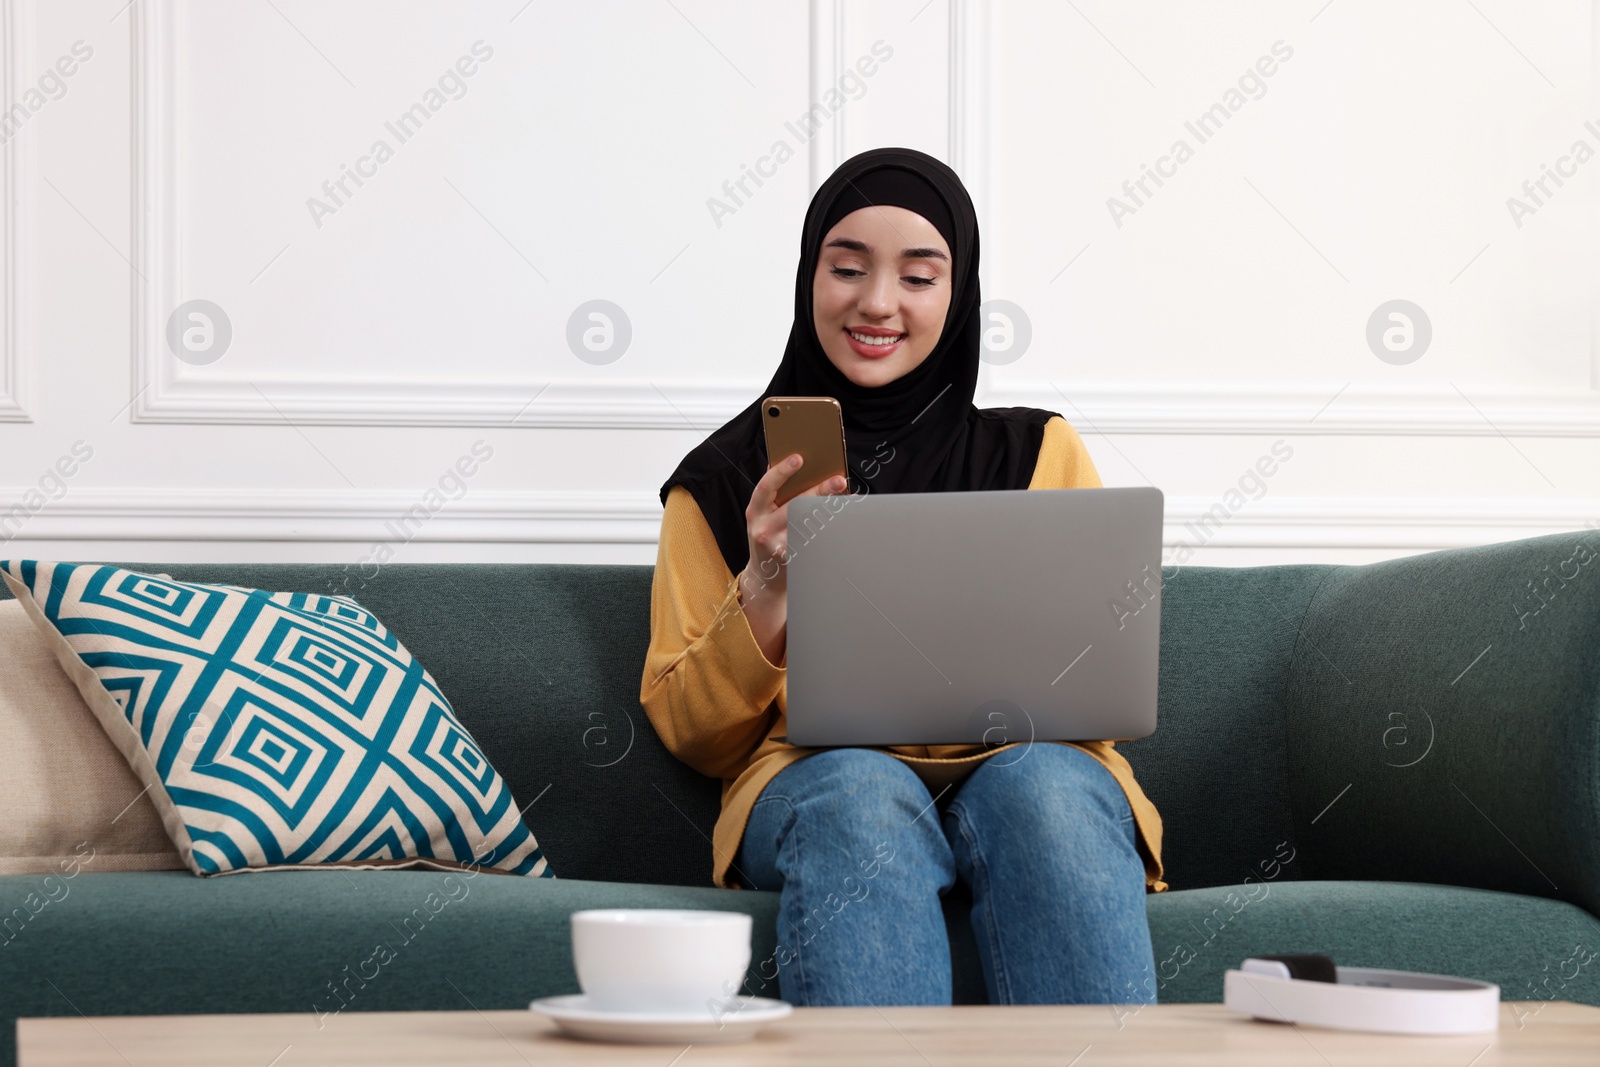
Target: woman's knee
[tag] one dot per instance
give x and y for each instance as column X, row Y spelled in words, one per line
column 859, row 807
column 1045, row 791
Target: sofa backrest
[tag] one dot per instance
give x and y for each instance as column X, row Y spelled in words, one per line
column 1296, row 709
column 1434, row 718
column 1450, row 701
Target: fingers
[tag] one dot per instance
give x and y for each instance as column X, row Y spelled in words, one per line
column 766, row 490
column 836, row 484
column 767, row 521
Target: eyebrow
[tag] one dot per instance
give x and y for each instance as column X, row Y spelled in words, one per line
column 908, row 253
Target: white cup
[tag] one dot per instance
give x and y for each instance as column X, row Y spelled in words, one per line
column 660, row 960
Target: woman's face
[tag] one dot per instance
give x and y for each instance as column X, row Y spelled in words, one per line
column 884, row 272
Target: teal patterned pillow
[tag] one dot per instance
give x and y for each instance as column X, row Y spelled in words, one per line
column 275, row 729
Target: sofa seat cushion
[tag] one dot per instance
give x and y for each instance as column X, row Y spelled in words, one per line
column 165, row 942
column 1532, row 947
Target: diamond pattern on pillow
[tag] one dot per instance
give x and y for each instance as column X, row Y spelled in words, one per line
column 275, row 729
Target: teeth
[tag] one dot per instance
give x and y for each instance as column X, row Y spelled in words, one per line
column 864, row 339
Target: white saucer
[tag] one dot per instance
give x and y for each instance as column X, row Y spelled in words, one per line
column 575, row 1016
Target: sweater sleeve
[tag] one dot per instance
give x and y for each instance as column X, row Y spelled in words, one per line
column 707, row 688
column 1064, row 461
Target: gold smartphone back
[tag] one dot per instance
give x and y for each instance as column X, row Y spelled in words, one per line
column 812, row 426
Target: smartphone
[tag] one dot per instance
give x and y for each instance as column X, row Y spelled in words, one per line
column 812, row 426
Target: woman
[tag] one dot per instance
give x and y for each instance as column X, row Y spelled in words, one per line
column 1056, row 841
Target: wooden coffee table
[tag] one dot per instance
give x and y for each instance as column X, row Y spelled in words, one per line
column 1080, row 1036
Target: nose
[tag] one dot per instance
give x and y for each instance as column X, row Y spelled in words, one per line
column 879, row 299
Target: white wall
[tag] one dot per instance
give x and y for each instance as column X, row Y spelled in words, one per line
column 379, row 334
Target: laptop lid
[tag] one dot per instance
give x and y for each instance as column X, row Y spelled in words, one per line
column 973, row 617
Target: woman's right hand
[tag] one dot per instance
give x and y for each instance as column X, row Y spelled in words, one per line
column 763, row 584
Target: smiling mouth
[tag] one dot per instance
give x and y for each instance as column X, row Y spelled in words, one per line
column 873, row 346
column 875, row 340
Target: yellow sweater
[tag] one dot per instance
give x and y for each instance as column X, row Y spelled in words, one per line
column 719, row 705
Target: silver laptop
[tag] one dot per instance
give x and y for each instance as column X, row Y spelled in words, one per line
column 973, row 617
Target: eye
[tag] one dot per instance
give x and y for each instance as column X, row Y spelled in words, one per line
column 920, row 281
column 846, row 272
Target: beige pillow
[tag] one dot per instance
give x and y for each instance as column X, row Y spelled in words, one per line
column 66, row 794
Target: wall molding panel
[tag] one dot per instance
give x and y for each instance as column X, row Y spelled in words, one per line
column 1093, row 408
column 16, row 346
column 826, row 148
column 156, row 214
column 363, row 516
column 166, row 395
column 370, row 516
column 969, row 101
column 1233, row 407
column 1334, row 408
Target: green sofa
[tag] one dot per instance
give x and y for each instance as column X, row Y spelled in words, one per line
column 1395, row 764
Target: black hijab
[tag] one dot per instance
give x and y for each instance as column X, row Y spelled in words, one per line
column 918, row 433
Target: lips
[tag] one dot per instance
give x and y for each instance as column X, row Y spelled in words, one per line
column 869, row 349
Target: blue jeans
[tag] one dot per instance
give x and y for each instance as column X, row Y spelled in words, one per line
column 1041, row 834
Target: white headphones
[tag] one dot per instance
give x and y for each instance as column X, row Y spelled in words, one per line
column 1310, row 989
